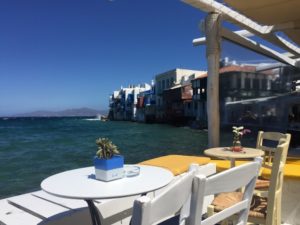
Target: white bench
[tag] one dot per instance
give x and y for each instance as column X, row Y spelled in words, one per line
column 41, row 208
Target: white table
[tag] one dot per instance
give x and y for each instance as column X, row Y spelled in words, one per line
column 81, row 184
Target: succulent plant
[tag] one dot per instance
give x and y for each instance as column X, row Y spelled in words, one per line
column 106, row 149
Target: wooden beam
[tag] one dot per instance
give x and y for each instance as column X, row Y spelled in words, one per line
column 213, row 40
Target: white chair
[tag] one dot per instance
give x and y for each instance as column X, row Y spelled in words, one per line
column 186, row 197
column 175, row 199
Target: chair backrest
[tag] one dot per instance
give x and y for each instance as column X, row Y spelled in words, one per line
column 243, row 176
column 170, row 202
column 274, row 160
column 269, row 142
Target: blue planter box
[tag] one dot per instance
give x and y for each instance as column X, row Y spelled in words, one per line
column 109, row 169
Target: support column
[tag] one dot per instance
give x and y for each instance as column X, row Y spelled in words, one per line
column 213, row 40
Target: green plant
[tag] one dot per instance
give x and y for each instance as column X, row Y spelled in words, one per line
column 238, row 133
column 106, row 149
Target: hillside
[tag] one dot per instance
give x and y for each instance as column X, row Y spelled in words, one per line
column 86, row 112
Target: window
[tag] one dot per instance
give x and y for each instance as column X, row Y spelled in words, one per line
column 159, row 87
column 163, row 85
column 268, row 84
column 238, row 85
column 247, row 83
column 189, row 105
column 256, row 84
column 172, row 81
column 233, row 81
column 168, row 83
column 264, row 84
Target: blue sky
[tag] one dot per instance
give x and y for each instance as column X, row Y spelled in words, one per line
column 59, row 54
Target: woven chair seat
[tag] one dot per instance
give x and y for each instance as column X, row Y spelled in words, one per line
column 262, row 183
column 258, row 206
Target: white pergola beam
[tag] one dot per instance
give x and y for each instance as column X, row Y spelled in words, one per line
column 199, row 41
column 234, row 17
column 202, row 40
column 250, row 44
column 255, row 46
column 229, row 14
column 244, row 33
column 290, row 55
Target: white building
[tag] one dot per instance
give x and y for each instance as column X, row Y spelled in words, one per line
column 166, row 80
column 123, row 102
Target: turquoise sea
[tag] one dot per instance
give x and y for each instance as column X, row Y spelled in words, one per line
column 32, row 149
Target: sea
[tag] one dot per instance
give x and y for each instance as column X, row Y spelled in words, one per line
column 31, row 149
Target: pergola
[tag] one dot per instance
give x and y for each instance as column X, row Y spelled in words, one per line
column 274, row 21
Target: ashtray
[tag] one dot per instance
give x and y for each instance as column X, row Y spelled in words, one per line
column 131, row 171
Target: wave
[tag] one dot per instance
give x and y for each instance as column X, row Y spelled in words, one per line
column 92, row 119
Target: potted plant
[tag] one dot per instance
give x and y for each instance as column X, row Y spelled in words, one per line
column 238, row 133
column 108, row 161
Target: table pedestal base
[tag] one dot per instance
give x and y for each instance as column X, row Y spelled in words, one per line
column 232, row 163
column 94, row 212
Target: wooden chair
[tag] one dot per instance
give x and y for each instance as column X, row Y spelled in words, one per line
column 267, row 210
column 278, row 139
column 186, row 197
column 264, row 210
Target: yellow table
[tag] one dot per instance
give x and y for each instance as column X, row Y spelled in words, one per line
column 227, row 153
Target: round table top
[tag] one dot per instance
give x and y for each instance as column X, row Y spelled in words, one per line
column 225, row 152
column 82, row 184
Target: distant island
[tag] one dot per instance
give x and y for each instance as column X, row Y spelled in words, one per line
column 84, row 112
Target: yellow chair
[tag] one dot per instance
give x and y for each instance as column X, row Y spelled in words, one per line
column 263, row 182
column 274, row 161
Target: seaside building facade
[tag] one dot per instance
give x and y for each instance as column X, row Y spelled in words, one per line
column 278, row 107
column 253, row 95
column 167, row 80
column 177, row 103
column 262, row 95
column 237, row 82
column 123, row 103
column 146, row 105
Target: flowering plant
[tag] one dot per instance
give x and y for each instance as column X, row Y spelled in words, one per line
column 238, row 133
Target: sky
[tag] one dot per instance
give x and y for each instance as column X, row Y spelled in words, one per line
column 61, row 54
